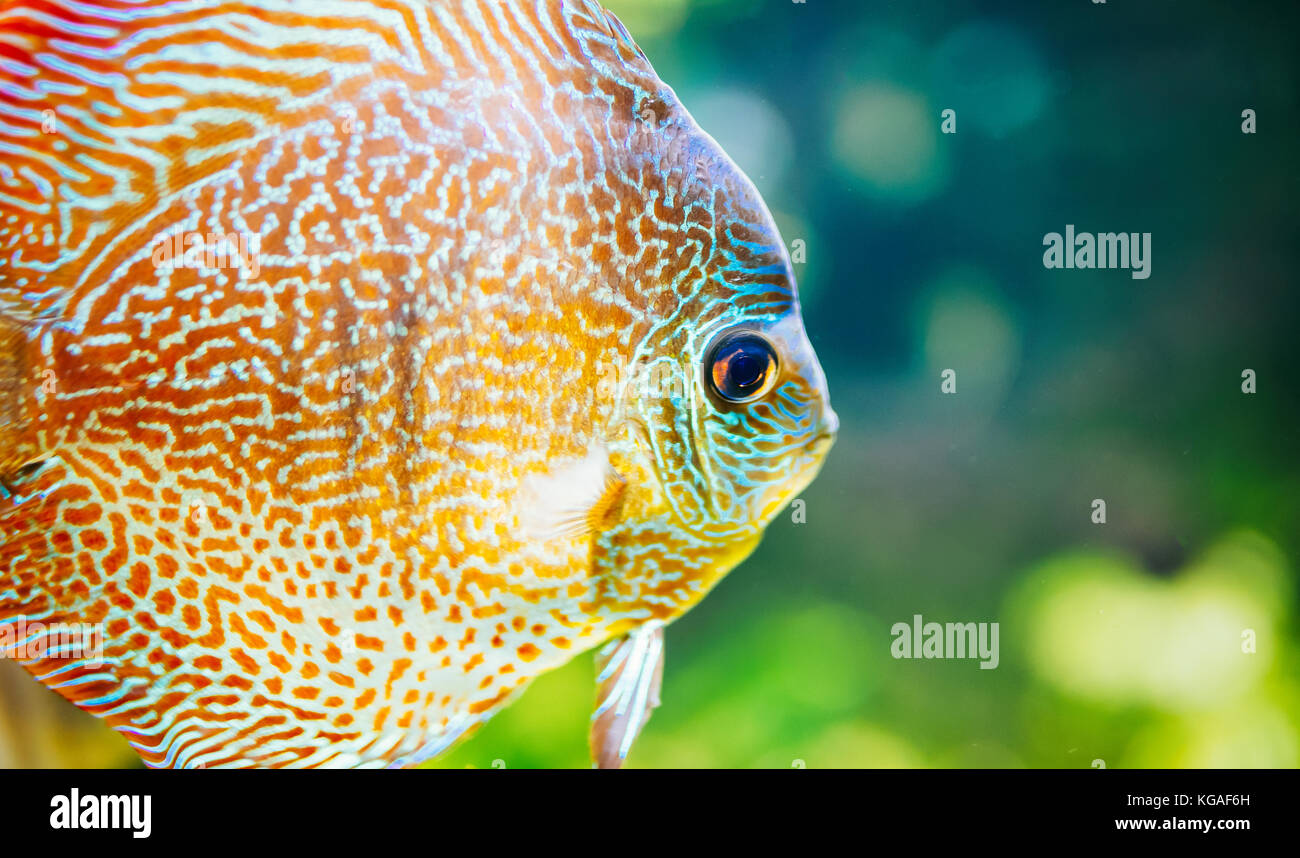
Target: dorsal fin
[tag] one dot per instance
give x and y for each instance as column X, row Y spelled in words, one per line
column 620, row 32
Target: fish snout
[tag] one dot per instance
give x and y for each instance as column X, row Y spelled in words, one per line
column 830, row 423
column 828, row 427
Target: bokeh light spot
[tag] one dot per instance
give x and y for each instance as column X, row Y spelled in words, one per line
column 992, row 75
column 888, row 137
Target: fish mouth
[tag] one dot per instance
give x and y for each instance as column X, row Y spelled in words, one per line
column 821, row 443
column 809, row 464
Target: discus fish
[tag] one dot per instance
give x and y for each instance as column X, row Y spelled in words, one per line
column 362, row 361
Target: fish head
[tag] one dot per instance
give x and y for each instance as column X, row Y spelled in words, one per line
column 733, row 402
column 765, row 419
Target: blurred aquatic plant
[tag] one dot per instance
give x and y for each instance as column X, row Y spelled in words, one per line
column 1201, row 657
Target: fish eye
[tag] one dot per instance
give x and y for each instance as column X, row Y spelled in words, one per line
column 742, row 367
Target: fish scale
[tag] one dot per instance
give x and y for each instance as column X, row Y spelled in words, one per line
column 337, row 497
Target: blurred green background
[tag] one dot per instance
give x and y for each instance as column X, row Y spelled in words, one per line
column 1119, row 642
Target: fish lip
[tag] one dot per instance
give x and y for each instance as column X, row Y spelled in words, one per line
column 821, row 445
column 830, row 423
column 827, row 432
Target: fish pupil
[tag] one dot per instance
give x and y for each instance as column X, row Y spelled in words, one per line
column 742, row 367
column 746, row 371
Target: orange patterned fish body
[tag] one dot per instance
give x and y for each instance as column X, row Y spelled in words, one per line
column 364, row 360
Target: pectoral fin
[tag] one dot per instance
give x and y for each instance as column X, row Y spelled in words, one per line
column 629, row 672
column 575, row 499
